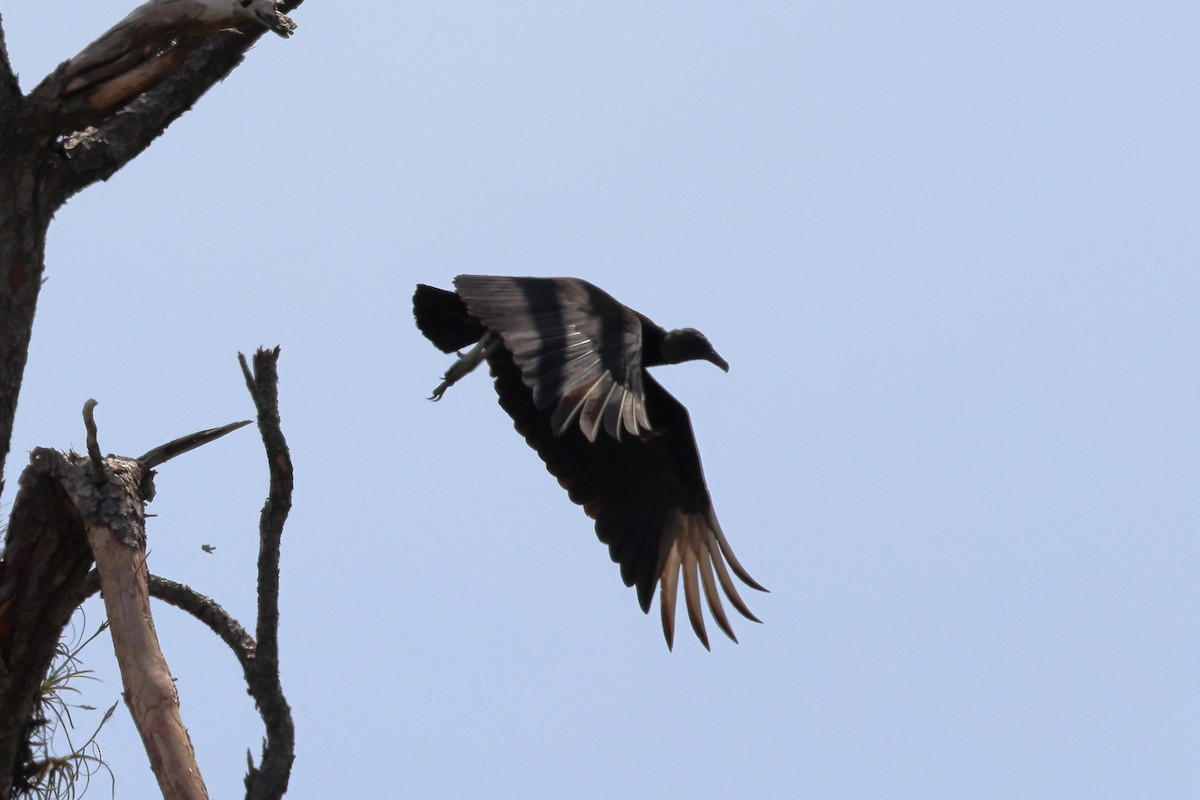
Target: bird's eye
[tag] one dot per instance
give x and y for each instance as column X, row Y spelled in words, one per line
column 245, row 3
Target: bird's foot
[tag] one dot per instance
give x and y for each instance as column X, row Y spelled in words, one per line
column 465, row 364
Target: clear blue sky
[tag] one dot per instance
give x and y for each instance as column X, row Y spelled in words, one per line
column 950, row 253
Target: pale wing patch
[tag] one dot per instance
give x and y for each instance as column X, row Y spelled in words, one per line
column 558, row 351
column 592, row 396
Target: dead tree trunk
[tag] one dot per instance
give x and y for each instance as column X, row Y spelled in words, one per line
column 91, row 116
column 24, row 218
column 68, row 502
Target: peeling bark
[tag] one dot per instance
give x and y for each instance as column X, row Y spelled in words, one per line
column 112, row 508
column 149, row 689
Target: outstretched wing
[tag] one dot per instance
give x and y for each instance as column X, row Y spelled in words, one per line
column 648, row 498
column 579, row 351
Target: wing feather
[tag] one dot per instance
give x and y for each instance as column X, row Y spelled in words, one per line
column 670, row 588
column 715, row 607
column 646, row 494
column 578, row 349
column 691, row 589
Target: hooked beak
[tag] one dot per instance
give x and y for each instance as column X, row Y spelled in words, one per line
column 720, row 362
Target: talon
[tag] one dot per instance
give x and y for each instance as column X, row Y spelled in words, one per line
column 461, row 368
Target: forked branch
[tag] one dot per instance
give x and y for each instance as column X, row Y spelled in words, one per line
column 68, row 502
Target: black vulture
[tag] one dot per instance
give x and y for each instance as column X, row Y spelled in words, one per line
column 569, row 364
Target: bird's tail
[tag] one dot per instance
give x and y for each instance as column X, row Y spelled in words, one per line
column 443, row 317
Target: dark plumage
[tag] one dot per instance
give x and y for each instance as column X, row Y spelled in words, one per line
column 569, row 364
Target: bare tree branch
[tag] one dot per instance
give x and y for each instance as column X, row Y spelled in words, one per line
column 269, row 781
column 199, row 605
column 209, row 612
column 53, row 144
column 145, row 102
column 134, row 45
column 93, row 441
column 177, row 447
column 259, row 660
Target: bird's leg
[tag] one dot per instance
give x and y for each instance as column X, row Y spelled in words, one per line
column 459, row 369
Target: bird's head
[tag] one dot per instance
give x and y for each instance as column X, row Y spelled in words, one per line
column 689, row 344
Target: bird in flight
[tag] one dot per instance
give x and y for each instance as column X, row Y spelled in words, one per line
column 569, row 364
